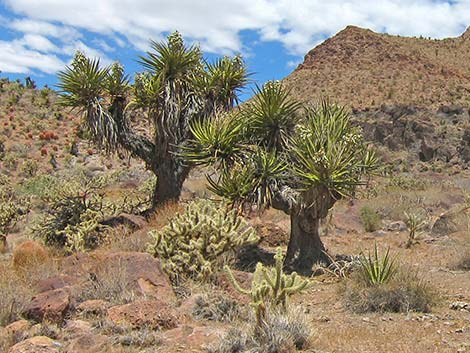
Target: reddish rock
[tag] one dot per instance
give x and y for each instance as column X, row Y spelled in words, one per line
column 38, row 344
column 17, row 327
column 144, row 272
column 191, row 337
column 88, row 343
column 51, row 305
column 56, row 282
column 79, row 264
column 76, row 328
column 93, row 307
column 154, row 314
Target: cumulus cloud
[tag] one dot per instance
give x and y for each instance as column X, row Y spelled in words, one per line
column 218, row 25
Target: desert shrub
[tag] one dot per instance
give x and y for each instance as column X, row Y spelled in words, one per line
column 462, row 261
column 403, row 293
column 29, row 168
column 281, row 332
column 11, row 209
column 216, row 307
column 370, row 219
column 73, row 215
column 10, row 161
column 110, row 283
column 194, row 243
column 380, row 285
column 15, row 295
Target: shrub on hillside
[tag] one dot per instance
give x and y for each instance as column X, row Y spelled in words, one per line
column 194, row 242
column 370, row 219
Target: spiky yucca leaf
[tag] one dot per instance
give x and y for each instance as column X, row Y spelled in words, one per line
column 215, row 141
column 82, row 82
column 329, row 152
column 272, row 115
column 376, row 270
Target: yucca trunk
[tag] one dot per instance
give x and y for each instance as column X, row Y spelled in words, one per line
column 170, row 179
column 305, row 246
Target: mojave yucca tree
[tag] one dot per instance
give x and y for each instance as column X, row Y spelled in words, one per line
column 273, row 152
column 177, row 88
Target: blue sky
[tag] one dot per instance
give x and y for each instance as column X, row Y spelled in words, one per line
column 39, row 37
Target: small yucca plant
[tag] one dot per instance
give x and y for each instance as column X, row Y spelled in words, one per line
column 376, row 270
column 415, row 222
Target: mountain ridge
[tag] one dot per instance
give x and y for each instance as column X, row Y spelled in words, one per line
column 361, row 68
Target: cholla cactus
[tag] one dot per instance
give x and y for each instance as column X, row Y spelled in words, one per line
column 270, row 286
column 193, row 242
column 79, row 236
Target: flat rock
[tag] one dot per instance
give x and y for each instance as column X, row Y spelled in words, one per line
column 51, row 305
column 17, row 327
column 87, row 343
column 154, row 314
column 38, row 344
column 96, row 307
column 56, row 282
column 191, row 337
column 144, row 272
column 75, row 328
column 398, row 226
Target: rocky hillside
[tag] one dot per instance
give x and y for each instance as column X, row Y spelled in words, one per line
column 361, row 68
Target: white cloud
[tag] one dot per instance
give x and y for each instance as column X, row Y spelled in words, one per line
column 216, row 24
column 14, row 57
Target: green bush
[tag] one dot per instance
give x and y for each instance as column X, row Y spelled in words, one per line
column 193, row 243
column 370, row 219
column 72, row 217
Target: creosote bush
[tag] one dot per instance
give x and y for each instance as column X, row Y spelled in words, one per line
column 370, row 219
column 194, row 243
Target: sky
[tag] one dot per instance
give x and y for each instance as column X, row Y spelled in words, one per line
column 38, row 38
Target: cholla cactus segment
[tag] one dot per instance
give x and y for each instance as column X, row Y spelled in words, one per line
column 193, row 242
column 270, row 286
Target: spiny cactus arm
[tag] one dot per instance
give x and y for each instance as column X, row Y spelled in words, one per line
column 235, row 282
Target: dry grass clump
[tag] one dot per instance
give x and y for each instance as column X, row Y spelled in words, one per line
column 15, row 294
column 110, row 283
column 280, row 332
column 126, row 336
column 217, row 307
column 463, row 259
column 28, row 255
column 404, row 292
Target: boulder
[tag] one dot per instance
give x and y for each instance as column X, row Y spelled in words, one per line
column 153, row 314
column 143, row 271
column 95, row 307
column 76, row 328
column 56, row 282
column 17, row 328
column 398, row 226
column 38, row 344
column 87, row 343
column 51, row 305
